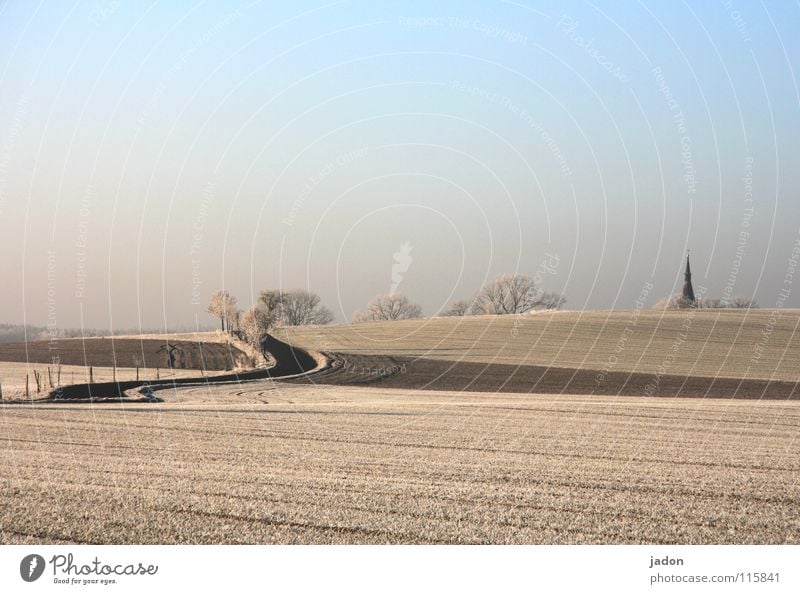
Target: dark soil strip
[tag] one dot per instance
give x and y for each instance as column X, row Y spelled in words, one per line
column 434, row 374
column 125, row 352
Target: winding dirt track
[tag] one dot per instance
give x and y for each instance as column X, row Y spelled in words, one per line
column 289, row 362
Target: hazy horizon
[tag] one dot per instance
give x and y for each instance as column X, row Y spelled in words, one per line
column 150, row 155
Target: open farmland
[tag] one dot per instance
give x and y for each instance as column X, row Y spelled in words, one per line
column 357, row 458
column 710, row 343
column 303, row 464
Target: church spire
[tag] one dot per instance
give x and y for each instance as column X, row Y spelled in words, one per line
column 688, row 291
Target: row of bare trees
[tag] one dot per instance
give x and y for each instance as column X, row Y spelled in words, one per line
column 295, row 307
column 678, row 301
column 506, row 294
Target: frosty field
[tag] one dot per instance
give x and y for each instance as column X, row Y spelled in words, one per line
column 289, row 462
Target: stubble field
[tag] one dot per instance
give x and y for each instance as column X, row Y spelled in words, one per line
column 284, row 462
column 753, row 344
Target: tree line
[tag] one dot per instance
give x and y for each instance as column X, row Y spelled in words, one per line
column 678, row 301
column 506, row 294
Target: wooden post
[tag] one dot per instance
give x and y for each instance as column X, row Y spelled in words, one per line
column 38, row 381
column 27, row 388
column 58, row 377
column 158, row 375
column 50, row 377
column 1, row 390
column 137, row 373
column 91, row 375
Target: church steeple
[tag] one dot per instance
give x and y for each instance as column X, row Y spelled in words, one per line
column 688, row 291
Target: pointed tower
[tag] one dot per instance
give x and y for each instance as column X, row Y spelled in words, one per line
column 688, row 291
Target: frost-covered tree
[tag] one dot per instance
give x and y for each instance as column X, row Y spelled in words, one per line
column 513, row 294
column 392, row 306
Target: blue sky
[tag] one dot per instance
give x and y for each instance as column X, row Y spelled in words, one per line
column 163, row 150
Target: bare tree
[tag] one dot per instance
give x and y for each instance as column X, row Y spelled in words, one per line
column 271, row 299
column 231, row 313
column 295, row 307
column 235, row 319
column 550, row 300
column 299, row 307
column 255, row 325
column 513, row 294
column 458, row 308
column 220, row 306
column 741, row 302
column 393, row 306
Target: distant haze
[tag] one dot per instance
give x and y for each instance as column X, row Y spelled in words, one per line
column 153, row 153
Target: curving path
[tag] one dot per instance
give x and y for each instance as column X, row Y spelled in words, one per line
column 289, row 361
